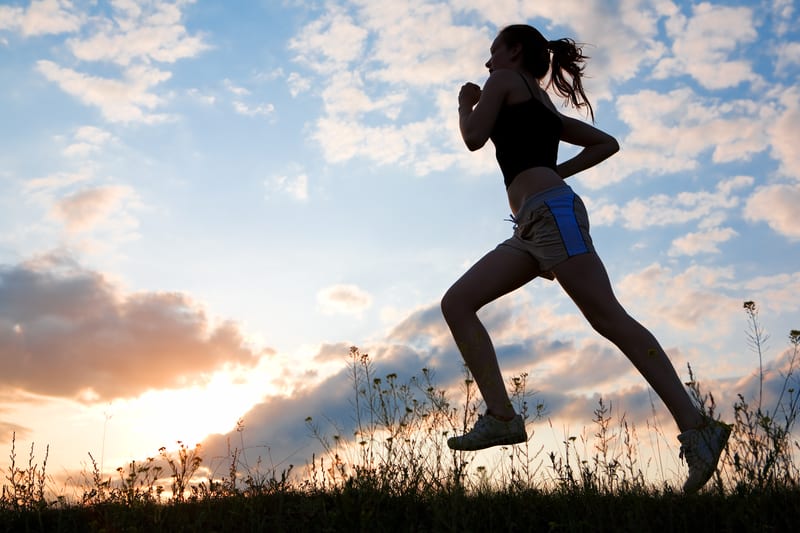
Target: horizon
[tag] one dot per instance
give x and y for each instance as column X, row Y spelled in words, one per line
column 203, row 208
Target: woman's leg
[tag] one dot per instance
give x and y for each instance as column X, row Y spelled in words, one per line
column 585, row 280
column 497, row 273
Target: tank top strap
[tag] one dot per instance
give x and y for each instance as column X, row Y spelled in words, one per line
column 521, row 75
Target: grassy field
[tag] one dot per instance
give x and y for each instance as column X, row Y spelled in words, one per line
column 396, row 474
column 354, row 508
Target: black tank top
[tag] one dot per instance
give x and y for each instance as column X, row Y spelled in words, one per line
column 526, row 135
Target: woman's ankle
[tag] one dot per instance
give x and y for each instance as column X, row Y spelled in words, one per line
column 505, row 417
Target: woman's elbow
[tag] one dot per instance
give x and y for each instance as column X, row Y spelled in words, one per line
column 613, row 145
column 474, row 143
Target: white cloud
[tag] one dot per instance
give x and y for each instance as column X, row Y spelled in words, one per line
column 41, row 17
column 48, row 185
column 733, row 130
column 379, row 61
column 701, row 242
column 207, row 99
column 295, row 186
column 243, row 108
column 345, row 96
column 140, row 32
column 298, row 83
column 126, row 100
column 705, row 44
column 330, row 43
column 777, row 206
column 343, row 299
column 776, row 293
column 787, row 55
column 235, row 89
column 679, row 208
column 253, row 111
column 87, row 140
column 784, row 14
column 784, row 133
column 133, row 37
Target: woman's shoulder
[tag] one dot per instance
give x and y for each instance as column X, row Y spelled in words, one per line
column 505, row 76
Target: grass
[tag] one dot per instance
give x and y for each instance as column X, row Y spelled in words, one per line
column 393, row 472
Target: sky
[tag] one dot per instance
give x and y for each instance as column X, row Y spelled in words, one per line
column 204, row 204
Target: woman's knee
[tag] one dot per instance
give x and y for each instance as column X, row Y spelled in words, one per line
column 455, row 303
column 612, row 323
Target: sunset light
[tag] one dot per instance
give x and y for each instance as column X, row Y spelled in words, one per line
column 204, row 206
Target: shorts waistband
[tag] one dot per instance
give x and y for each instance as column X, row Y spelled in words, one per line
column 547, row 194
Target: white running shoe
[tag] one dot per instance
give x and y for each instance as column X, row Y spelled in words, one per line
column 701, row 448
column 490, row 431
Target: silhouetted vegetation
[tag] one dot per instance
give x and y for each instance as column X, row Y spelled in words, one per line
column 393, row 472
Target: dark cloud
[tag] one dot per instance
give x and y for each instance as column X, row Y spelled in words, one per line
column 278, row 425
column 420, row 326
column 65, row 330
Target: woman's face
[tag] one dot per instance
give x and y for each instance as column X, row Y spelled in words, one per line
column 502, row 56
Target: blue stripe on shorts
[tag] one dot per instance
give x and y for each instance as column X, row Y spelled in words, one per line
column 563, row 210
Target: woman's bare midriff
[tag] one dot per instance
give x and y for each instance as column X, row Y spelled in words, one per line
column 529, row 183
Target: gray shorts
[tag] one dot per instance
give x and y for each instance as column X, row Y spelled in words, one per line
column 551, row 227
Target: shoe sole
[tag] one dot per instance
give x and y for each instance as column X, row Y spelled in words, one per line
column 500, row 441
column 726, row 434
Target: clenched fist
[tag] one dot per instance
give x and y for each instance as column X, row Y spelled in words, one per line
column 469, row 95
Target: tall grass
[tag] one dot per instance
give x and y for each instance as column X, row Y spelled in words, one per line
column 393, row 471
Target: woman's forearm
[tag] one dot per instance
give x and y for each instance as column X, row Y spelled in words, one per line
column 587, row 158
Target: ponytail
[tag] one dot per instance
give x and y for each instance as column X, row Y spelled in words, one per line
column 568, row 57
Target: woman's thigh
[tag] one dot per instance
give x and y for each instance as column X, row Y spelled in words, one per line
column 497, row 273
column 585, row 280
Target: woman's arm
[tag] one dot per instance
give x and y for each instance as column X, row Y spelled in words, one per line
column 597, row 146
column 476, row 124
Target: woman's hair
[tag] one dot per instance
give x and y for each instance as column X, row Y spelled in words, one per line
column 567, row 58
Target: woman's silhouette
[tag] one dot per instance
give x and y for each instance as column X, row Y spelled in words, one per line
column 551, row 238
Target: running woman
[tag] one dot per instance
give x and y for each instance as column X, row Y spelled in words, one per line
column 551, row 238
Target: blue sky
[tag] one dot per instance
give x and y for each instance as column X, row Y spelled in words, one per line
column 206, row 203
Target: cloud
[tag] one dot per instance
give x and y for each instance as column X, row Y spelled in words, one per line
column 87, row 140
column 127, row 100
column 235, row 89
column 298, row 83
column 67, row 331
column 693, row 300
column 705, row 43
column 243, row 108
column 777, row 206
column 330, row 42
column 86, row 209
column 7, row 431
column 731, row 130
column 784, row 14
column 708, row 207
column 377, row 66
column 783, row 133
column 620, row 54
column 132, row 37
column 264, row 110
column 41, row 17
column 88, row 216
column 294, row 186
column 139, row 32
column 701, row 242
column 48, row 185
column 378, row 61
column 343, row 299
